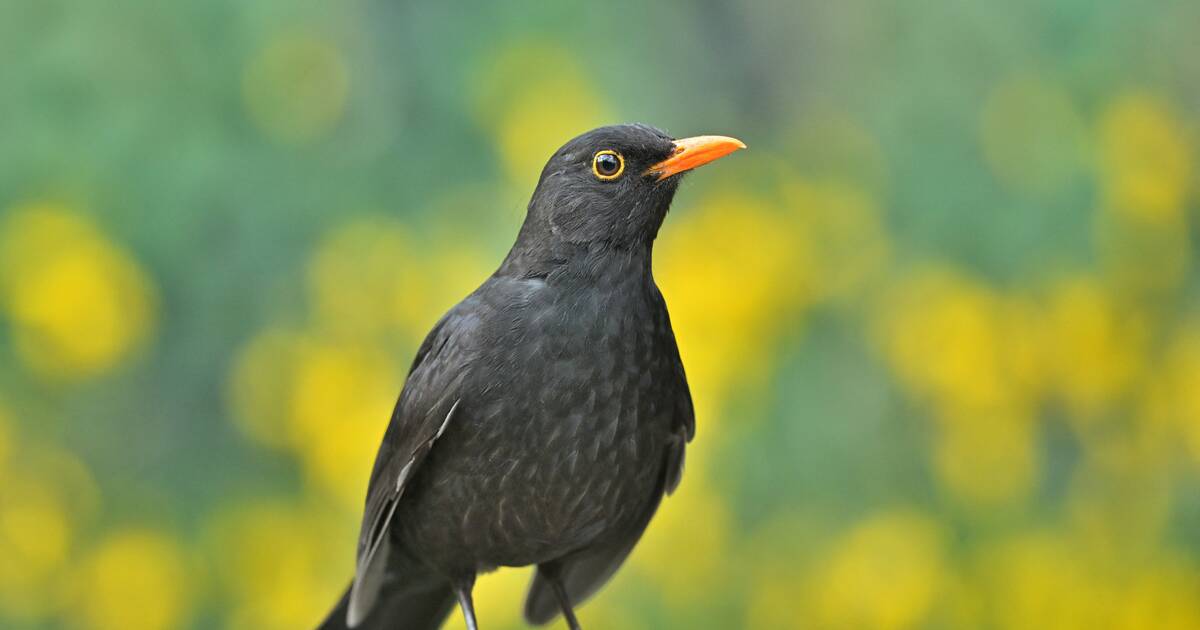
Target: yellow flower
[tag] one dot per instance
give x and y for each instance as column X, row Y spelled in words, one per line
column 78, row 303
column 849, row 245
column 369, row 279
column 1119, row 498
column 341, row 402
column 885, row 574
column 735, row 274
column 1095, row 348
column 499, row 598
column 296, row 87
column 961, row 345
column 534, row 97
column 134, row 580
column 328, row 393
column 1183, row 387
column 7, row 439
column 328, row 400
column 1163, row 597
column 261, row 383
column 1033, row 136
column 46, row 497
column 685, row 549
column 776, row 558
column 773, row 603
column 36, row 535
column 1042, row 581
column 280, row 566
column 607, row 613
column 963, row 604
column 827, row 145
column 365, row 278
column 1146, row 161
column 987, row 461
column 1145, row 260
column 1142, row 234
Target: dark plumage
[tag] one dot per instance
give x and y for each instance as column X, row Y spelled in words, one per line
column 546, row 414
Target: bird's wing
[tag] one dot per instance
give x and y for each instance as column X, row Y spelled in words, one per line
column 585, row 571
column 685, row 429
column 431, row 397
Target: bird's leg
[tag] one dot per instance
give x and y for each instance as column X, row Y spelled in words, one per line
column 553, row 574
column 462, row 589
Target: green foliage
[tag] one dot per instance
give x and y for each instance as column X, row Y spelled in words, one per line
column 940, row 319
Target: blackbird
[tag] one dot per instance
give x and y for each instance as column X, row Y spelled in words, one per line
column 545, row 416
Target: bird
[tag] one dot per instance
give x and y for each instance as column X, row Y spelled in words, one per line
column 546, row 415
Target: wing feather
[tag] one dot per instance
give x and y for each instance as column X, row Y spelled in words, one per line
column 371, row 565
column 427, row 405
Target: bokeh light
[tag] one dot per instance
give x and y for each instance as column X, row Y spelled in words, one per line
column 77, row 303
column 941, row 320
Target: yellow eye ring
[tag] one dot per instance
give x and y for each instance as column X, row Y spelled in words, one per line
column 602, row 165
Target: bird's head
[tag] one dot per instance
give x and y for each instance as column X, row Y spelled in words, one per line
column 612, row 186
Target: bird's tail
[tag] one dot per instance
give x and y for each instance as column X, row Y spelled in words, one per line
column 412, row 602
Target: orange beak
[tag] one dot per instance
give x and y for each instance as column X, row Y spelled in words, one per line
column 692, row 152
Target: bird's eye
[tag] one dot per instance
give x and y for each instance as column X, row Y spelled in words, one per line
column 608, row 165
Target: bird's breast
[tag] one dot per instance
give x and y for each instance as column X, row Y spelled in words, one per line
column 564, row 440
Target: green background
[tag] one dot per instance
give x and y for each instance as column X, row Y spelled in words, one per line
column 940, row 319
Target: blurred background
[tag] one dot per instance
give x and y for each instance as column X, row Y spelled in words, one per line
column 941, row 320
